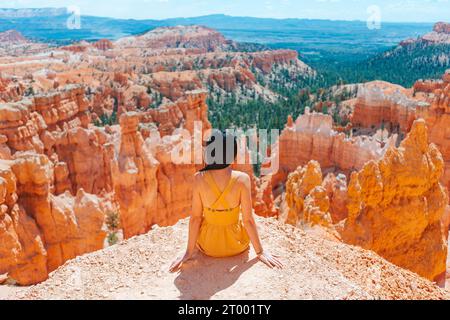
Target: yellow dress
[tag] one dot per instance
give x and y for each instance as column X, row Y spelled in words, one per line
column 222, row 233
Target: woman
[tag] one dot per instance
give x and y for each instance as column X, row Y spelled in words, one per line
column 220, row 196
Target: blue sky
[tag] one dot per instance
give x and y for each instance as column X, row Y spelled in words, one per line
column 391, row 10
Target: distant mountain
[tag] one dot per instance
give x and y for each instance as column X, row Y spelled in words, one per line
column 7, row 13
column 11, row 36
column 439, row 35
column 310, row 37
column 177, row 37
column 425, row 57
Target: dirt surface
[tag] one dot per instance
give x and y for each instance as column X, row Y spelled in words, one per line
column 315, row 268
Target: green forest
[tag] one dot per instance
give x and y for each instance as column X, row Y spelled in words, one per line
column 402, row 65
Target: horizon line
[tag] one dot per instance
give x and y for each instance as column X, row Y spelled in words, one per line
column 220, row 14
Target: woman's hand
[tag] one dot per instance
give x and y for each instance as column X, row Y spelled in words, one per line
column 176, row 265
column 272, row 261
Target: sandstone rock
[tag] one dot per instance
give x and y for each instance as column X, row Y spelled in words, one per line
column 298, row 186
column 440, row 34
column 21, row 125
column 396, row 205
column 316, row 208
column 396, row 108
column 10, row 90
column 183, row 113
column 41, row 231
column 313, row 137
column 174, row 183
column 383, row 104
column 11, row 36
column 87, row 155
column 61, row 106
column 177, row 37
column 336, row 188
column 442, row 27
column 134, row 179
column 103, row 44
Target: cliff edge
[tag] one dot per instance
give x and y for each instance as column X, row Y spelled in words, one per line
column 316, row 267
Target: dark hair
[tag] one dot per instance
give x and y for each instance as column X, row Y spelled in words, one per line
column 220, row 151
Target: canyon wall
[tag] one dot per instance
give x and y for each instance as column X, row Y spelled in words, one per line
column 312, row 137
column 396, row 205
column 62, row 175
column 40, row 231
column 396, row 108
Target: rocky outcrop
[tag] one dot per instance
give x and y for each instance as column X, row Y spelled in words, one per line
column 383, row 104
column 22, row 122
column 21, row 125
column 440, row 34
column 266, row 60
column 442, row 27
column 336, row 188
column 83, row 159
column 42, row 231
column 304, row 183
column 22, row 253
column 312, row 137
column 11, row 36
column 134, row 179
column 396, row 108
column 396, row 205
column 103, row 44
column 311, row 199
column 177, row 37
column 10, row 90
column 63, row 106
column 181, row 114
column 314, row 268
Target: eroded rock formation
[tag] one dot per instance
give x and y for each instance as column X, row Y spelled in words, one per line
column 396, row 205
column 396, row 108
column 312, row 137
column 40, row 231
column 134, row 178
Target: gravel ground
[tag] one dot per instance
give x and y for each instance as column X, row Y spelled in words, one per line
column 316, row 267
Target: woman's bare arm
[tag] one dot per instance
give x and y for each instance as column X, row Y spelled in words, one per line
column 247, row 215
column 196, row 218
column 195, row 223
column 250, row 225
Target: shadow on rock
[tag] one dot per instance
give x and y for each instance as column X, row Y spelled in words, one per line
column 203, row 277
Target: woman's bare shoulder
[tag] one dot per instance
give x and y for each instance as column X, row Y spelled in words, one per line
column 242, row 178
column 198, row 177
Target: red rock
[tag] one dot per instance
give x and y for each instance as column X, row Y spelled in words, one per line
column 396, row 205
column 12, row 36
column 103, row 44
column 313, row 137
column 298, row 186
column 397, row 108
column 442, row 27
column 183, row 113
column 177, row 37
column 41, row 231
column 336, row 188
column 134, row 179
